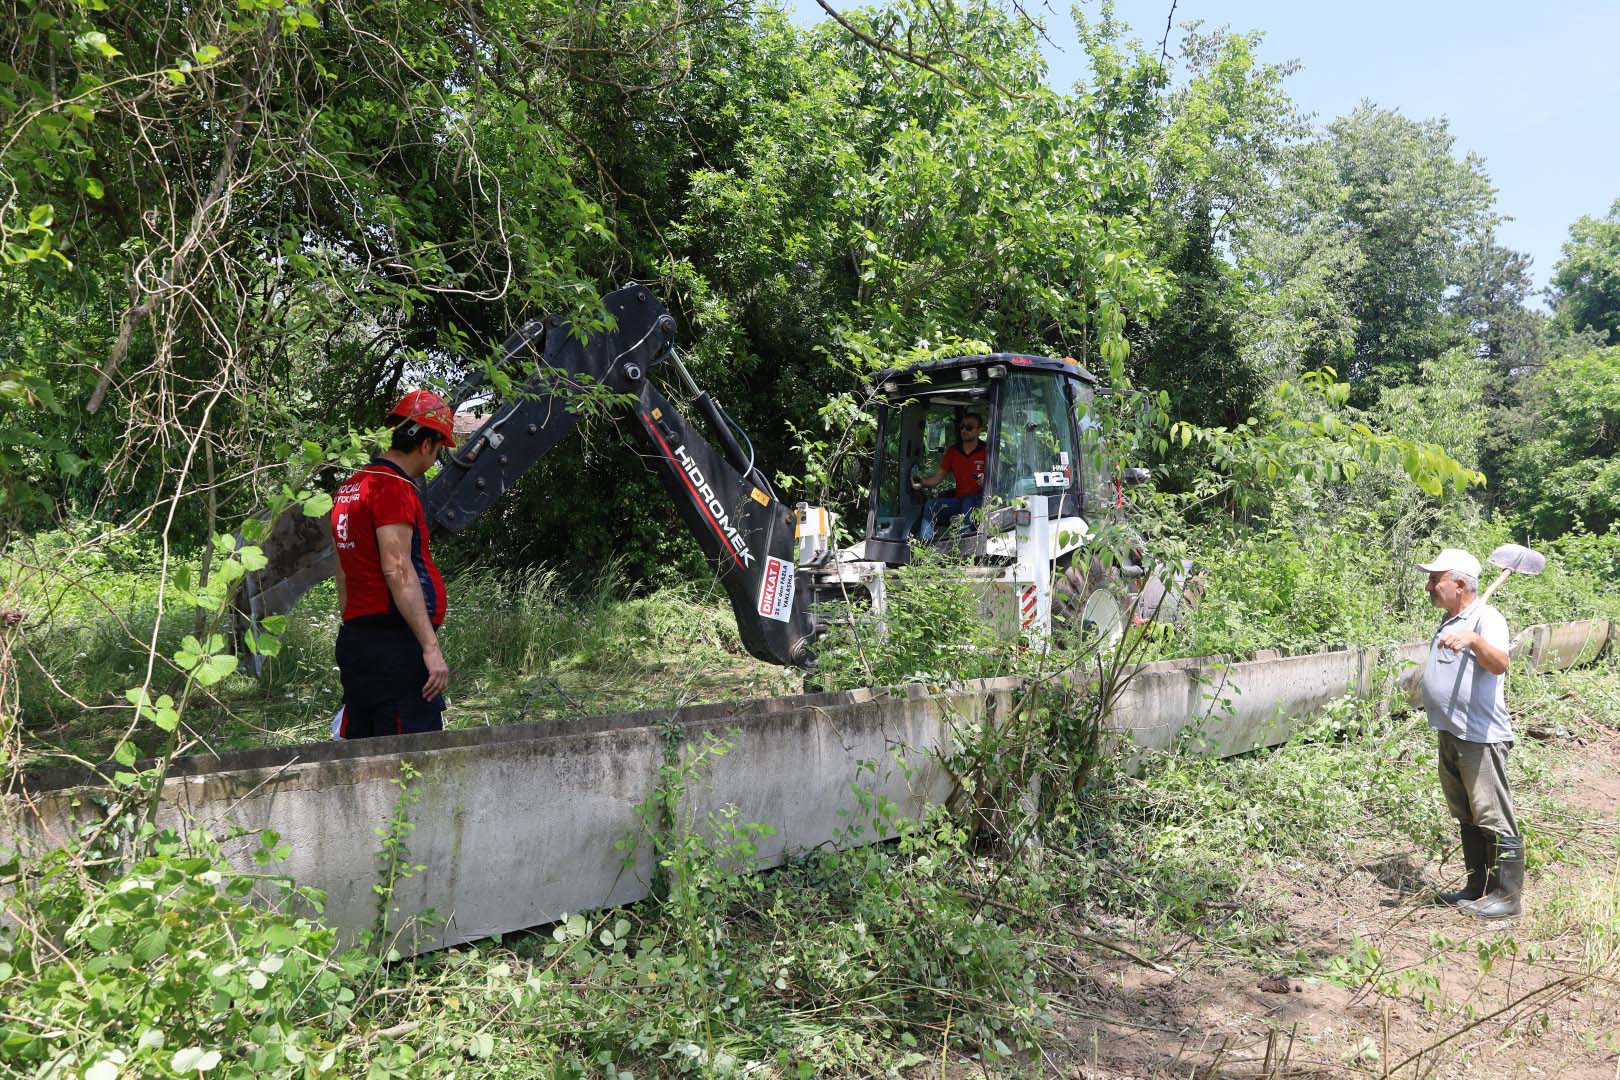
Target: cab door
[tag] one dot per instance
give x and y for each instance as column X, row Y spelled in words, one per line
column 1036, row 449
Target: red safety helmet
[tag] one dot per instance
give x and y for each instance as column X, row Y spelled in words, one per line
column 426, row 409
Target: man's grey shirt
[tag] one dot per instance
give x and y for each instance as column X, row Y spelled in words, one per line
column 1460, row 696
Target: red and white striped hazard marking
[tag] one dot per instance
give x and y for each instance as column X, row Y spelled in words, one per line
column 1026, row 604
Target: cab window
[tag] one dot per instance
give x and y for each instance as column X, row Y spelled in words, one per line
column 1096, row 479
column 1035, row 445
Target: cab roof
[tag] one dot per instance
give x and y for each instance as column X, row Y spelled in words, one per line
column 932, row 369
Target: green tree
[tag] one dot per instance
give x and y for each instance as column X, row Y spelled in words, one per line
column 1224, row 134
column 1411, row 208
column 1494, row 288
column 1586, row 281
column 1564, row 469
column 268, row 216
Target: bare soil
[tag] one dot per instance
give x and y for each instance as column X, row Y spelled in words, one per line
column 1546, row 1007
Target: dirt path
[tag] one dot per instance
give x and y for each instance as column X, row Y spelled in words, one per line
column 1414, row 997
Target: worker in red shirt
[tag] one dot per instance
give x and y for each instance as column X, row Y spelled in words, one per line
column 965, row 463
column 391, row 594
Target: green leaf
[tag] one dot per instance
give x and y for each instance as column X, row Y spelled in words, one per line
column 274, row 624
column 190, row 653
column 317, row 504
column 207, row 54
column 93, row 188
column 95, row 39
column 253, row 558
column 151, row 946
column 215, row 668
column 125, row 754
column 165, row 716
column 194, row 1059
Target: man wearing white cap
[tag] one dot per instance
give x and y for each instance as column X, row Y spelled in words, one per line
column 1463, row 693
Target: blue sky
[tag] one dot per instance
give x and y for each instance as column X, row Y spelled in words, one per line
column 1533, row 88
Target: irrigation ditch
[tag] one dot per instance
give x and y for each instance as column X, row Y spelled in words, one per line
column 519, row 826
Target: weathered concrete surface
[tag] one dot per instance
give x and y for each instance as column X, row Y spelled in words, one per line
column 1223, row 709
column 517, row 826
column 1566, row 645
column 798, row 764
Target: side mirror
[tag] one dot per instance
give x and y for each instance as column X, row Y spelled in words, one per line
column 1132, row 477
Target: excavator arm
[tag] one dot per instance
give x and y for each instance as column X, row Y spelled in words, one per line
column 746, row 532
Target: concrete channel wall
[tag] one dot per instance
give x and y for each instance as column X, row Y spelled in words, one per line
column 518, row 826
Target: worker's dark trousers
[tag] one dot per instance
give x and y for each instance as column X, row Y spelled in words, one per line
column 1474, row 777
column 383, row 675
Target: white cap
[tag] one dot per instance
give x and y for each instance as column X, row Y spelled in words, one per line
column 1453, row 559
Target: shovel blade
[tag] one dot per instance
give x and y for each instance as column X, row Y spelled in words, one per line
column 1519, row 559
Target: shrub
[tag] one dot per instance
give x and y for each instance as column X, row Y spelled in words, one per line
column 165, row 969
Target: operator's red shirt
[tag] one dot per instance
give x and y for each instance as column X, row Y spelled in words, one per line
column 380, row 494
column 967, row 468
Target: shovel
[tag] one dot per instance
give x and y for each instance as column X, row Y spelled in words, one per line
column 1513, row 559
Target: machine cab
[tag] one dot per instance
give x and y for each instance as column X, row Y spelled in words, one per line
column 1039, row 439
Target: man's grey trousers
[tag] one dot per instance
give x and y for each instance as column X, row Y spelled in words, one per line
column 1474, row 777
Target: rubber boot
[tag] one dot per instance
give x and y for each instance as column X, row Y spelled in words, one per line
column 1504, row 884
column 1476, row 848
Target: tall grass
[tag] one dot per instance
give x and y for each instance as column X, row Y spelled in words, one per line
column 522, row 644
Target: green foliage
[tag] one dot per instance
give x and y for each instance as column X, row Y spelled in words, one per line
column 931, row 631
column 1409, row 208
column 1563, row 471
column 1311, row 580
column 1578, row 583
column 1586, row 281
column 230, row 227
column 1300, row 798
column 1297, row 588
column 394, row 855
column 1496, row 296
column 838, row 961
column 165, row 969
column 1443, row 407
column 1307, row 439
column 1216, row 143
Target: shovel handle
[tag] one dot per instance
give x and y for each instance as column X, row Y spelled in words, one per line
column 1491, row 588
